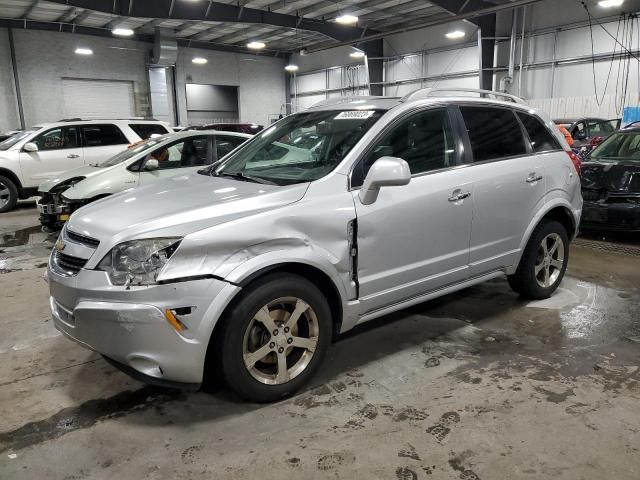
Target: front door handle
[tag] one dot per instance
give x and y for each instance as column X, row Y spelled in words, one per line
column 534, row 177
column 458, row 195
column 73, row 155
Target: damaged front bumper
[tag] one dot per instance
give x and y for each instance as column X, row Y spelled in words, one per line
column 130, row 327
column 54, row 212
column 611, row 216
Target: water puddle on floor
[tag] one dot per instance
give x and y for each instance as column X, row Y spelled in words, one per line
column 26, row 236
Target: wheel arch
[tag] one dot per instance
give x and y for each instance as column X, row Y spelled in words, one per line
column 13, row 177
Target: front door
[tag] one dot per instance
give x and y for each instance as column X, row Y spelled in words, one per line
column 179, row 158
column 59, row 150
column 415, row 239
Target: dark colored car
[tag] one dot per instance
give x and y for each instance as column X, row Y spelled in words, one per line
column 250, row 128
column 611, row 184
column 6, row 135
column 589, row 132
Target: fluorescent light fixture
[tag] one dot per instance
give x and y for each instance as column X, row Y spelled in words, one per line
column 347, row 19
column 610, row 3
column 84, row 51
column 256, row 45
column 357, row 54
column 455, row 34
column 122, row 32
column 291, row 68
column 199, row 60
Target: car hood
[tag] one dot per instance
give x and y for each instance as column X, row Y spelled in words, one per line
column 617, row 177
column 86, row 172
column 178, row 206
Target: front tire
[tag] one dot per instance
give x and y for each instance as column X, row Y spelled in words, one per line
column 8, row 194
column 543, row 263
column 274, row 338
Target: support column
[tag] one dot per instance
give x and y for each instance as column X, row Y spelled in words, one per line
column 374, row 52
column 486, row 50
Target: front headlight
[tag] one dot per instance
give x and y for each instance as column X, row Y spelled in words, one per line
column 138, row 262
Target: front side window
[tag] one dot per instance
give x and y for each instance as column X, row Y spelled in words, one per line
column 103, row 135
column 191, row 152
column 424, row 140
column 494, row 133
column 58, row 138
column 272, row 156
column 541, row 139
column 145, row 130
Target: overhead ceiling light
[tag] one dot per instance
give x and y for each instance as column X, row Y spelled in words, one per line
column 347, row 19
column 256, row 45
column 357, row 54
column 291, row 68
column 123, row 32
column 84, row 51
column 610, row 3
column 455, row 34
column 199, row 60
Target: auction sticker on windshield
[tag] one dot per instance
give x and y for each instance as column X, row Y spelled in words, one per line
column 354, row 114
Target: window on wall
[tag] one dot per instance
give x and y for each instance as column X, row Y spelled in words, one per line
column 494, row 133
column 58, row 138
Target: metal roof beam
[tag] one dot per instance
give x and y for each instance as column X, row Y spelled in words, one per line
column 31, row 8
column 213, row 11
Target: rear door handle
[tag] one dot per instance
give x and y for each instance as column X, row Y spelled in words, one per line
column 458, row 195
column 73, row 155
column 534, row 177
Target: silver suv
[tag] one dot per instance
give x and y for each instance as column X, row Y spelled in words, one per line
column 250, row 267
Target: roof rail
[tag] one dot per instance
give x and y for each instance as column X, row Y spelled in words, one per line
column 433, row 91
column 342, row 100
column 79, row 119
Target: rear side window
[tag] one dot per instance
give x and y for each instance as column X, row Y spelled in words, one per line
column 145, row 130
column 58, row 138
column 226, row 143
column 103, row 135
column 541, row 139
column 494, row 133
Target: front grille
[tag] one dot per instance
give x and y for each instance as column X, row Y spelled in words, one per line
column 82, row 239
column 592, row 195
column 69, row 263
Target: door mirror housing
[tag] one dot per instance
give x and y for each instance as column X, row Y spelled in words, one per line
column 151, row 165
column 30, row 147
column 385, row 172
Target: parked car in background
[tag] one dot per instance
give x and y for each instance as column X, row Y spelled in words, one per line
column 143, row 163
column 250, row 267
column 250, row 128
column 611, row 183
column 6, row 135
column 46, row 151
column 589, row 132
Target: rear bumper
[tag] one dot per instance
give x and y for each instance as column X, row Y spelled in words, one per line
column 610, row 216
column 130, row 328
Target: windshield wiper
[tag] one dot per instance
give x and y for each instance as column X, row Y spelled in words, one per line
column 246, row 177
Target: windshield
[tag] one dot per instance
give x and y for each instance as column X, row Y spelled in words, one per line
column 300, row 148
column 132, row 151
column 620, row 146
column 11, row 141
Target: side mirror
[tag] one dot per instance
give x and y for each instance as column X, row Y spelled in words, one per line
column 385, row 172
column 152, row 164
column 30, row 147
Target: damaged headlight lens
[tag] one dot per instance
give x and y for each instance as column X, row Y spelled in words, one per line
column 138, row 262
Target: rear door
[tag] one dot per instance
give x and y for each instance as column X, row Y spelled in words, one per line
column 509, row 185
column 179, row 158
column 101, row 142
column 59, row 150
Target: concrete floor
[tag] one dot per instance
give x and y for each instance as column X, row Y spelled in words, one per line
column 478, row 384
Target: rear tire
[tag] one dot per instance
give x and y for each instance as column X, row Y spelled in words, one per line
column 8, row 194
column 543, row 263
column 274, row 338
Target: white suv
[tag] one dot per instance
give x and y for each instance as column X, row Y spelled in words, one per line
column 45, row 151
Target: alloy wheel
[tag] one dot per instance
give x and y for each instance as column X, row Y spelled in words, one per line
column 550, row 260
column 280, row 340
column 5, row 195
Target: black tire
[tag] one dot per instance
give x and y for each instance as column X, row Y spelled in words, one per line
column 524, row 280
column 8, row 199
column 229, row 343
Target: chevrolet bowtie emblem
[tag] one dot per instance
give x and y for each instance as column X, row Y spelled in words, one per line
column 60, row 246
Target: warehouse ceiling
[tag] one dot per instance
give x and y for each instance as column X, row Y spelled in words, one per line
column 283, row 25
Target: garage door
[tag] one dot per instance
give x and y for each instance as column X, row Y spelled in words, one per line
column 98, row 98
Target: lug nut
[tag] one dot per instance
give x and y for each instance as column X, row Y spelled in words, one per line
column 272, row 345
column 289, row 340
column 286, row 329
column 275, row 333
column 280, row 350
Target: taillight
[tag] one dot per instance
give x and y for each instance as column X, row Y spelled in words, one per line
column 575, row 159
